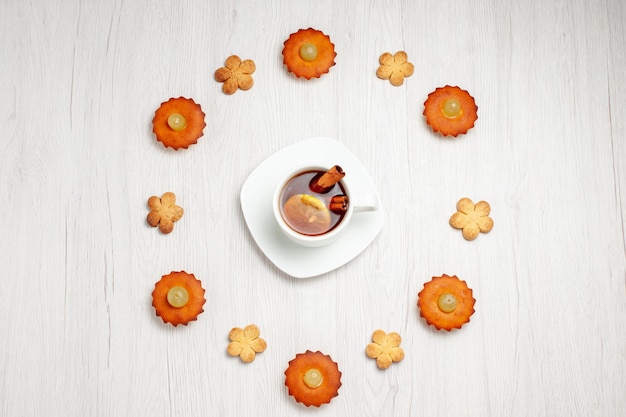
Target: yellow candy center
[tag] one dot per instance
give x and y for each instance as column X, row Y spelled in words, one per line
column 313, row 378
column 177, row 297
column 308, row 52
column 177, row 122
column 451, row 108
column 446, row 302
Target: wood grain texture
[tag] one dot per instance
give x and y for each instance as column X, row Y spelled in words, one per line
column 79, row 84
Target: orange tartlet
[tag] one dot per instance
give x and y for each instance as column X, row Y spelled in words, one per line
column 178, row 298
column 450, row 111
column 309, row 53
column 313, row 378
column 446, row 302
column 178, row 123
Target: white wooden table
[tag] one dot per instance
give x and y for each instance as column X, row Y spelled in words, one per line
column 79, row 84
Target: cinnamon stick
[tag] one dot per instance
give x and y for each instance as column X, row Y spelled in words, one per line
column 338, row 204
column 325, row 181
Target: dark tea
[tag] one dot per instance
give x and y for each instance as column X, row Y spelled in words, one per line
column 307, row 210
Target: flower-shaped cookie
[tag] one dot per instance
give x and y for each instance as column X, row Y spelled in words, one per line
column 178, row 123
column 394, row 67
column 308, row 53
column 178, row 298
column 450, row 111
column 237, row 74
column 446, row 302
column 246, row 342
column 385, row 348
column 472, row 218
column 164, row 212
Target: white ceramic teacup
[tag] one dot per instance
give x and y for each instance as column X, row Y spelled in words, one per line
column 356, row 203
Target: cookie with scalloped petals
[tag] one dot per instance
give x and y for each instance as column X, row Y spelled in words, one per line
column 450, row 111
column 178, row 123
column 446, row 302
column 164, row 212
column 308, row 53
column 246, row 342
column 178, row 298
column 394, row 68
column 385, row 348
column 236, row 74
column 472, row 218
column 312, row 378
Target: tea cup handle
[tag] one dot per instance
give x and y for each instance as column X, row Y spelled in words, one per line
column 364, row 202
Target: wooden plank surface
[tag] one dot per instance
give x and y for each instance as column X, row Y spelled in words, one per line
column 79, row 84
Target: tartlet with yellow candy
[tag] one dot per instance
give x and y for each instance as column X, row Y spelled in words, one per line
column 178, row 298
column 313, row 378
column 309, row 53
column 178, row 123
column 450, row 111
column 446, row 302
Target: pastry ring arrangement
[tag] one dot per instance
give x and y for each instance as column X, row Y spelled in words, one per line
column 445, row 302
column 309, row 53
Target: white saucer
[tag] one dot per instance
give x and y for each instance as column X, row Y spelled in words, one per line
column 256, row 204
